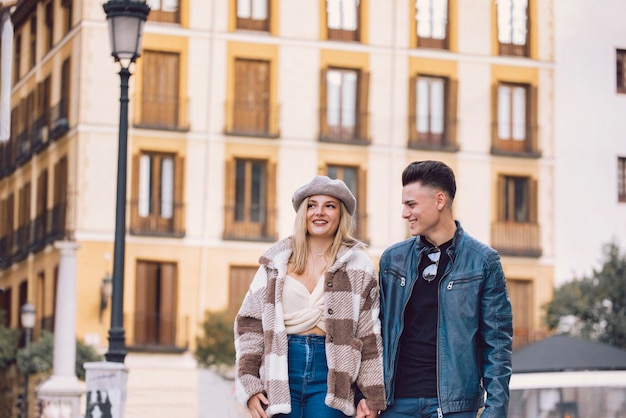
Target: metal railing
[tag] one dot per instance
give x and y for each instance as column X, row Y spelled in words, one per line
column 516, row 238
column 251, row 119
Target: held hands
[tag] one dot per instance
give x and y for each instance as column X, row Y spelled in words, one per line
column 257, row 404
column 363, row 411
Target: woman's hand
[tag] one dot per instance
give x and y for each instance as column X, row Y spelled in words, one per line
column 257, row 404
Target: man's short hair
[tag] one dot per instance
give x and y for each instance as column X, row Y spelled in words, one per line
column 431, row 173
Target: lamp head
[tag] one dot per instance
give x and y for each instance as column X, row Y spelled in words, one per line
column 126, row 19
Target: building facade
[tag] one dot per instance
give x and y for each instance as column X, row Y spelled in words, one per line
column 233, row 105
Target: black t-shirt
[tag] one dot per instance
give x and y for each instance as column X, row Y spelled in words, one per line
column 416, row 373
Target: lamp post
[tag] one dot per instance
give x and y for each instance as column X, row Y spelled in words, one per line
column 28, row 316
column 126, row 19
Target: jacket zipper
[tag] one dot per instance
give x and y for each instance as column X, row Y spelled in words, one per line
column 439, row 409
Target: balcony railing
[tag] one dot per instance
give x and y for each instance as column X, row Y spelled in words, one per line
column 55, row 222
column 163, row 112
column 516, row 239
column 261, row 228
column 526, row 147
column 38, row 233
column 59, row 118
column 5, row 251
column 155, row 225
column 40, row 131
column 248, row 119
column 344, row 132
column 23, row 147
column 21, row 246
column 155, row 332
column 47, row 323
column 525, row 336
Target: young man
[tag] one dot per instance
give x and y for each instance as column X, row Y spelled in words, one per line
column 445, row 311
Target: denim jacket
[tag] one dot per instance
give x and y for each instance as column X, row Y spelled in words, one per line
column 474, row 331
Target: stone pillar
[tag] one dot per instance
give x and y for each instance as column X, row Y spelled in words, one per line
column 106, row 389
column 6, row 61
column 60, row 394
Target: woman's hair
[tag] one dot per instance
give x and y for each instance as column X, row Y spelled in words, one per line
column 300, row 238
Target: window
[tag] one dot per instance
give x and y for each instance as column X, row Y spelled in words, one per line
column 160, row 81
column 251, row 109
column 60, row 112
column 520, row 292
column 6, row 306
column 8, row 234
column 239, row 283
column 355, row 179
column 17, row 58
column 41, row 297
column 157, row 193
column 621, row 179
column 68, row 14
column 516, row 118
column 42, row 123
column 513, row 27
column 49, row 21
column 344, row 117
column 250, row 189
column 56, row 227
column 253, row 15
column 516, row 230
column 343, row 19
column 39, row 235
column 432, row 23
column 164, row 11
column 23, row 230
column 156, row 296
column 33, row 41
column 620, row 56
column 432, row 121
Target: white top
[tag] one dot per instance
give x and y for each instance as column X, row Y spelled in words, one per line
column 303, row 310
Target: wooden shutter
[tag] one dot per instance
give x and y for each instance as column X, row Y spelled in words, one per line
column 270, row 200
column 239, row 282
column 413, row 135
column 363, row 106
column 323, row 108
column 229, row 196
column 451, row 109
column 179, row 193
column 141, row 302
column 65, row 88
column 494, row 112
column 533, row 201
column 169, row 296
column 160, row 84
column 532, row 115
column 362, row 204
column 135, row 221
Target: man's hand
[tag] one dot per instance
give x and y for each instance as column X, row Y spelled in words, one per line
column 362, row 411
column 257, row 404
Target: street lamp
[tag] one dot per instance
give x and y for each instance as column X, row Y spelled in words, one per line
column 126, row 19
column 28, row 317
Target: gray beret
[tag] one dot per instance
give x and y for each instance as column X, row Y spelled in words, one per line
column 326, row 186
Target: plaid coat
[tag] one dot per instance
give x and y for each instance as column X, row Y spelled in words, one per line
column 353, row 341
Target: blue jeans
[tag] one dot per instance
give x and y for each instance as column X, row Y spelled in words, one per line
column 420, row 408
column 308, row 372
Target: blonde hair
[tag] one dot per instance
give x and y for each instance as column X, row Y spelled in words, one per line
column 300, row 237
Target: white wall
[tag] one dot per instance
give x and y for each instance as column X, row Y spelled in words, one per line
column 589, row 133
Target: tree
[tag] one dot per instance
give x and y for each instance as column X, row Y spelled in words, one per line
column 8, row 342
column 595, row 305
column 216, row 347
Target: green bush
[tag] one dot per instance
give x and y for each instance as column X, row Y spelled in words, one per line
column 37, row 357
column 8, row 343
column 215, row 347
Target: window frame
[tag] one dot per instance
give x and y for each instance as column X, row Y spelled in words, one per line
column 359, row 190
column 511, row 145
column 431, row 41
column 158, row 15
column 621, row 179
column 341, row 33
column 247, row 228
column 250, row 23
column 512, row 48
column 153, row 223
column 359, row 132
column 620, row 78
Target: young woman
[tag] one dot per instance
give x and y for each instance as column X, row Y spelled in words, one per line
column 307, row 335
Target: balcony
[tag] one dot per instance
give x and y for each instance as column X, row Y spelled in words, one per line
column 59, row 118
column 6, row 242
column 516, row 239
column 40, row 133
column 161, row 112
column 55, row 222
column 21, row 245
column 345, row 132
column 430, row 141
column 249, row 119
column 7, row 157
column 38, row 233
column 23, row 147
column 261, row 228
column 526, row 147
column 154, row 225
column 154, row 332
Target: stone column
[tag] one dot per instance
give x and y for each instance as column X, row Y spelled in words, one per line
column 60, row 394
